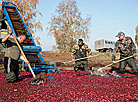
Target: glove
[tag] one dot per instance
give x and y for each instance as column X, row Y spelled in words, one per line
column 134, row 54
column 113, row 57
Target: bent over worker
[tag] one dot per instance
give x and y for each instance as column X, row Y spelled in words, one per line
column 126, row 47
column 81, row 50
column 12, row 55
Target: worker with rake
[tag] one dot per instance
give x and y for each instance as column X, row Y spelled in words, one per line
column 80, row 51
column 12, row 55
column 126, row 47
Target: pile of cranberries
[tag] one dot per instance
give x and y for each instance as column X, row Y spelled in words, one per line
column 69, row 86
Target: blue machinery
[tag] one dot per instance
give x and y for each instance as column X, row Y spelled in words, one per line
column 32, row 52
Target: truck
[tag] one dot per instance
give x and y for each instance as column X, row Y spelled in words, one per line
column 104, row 45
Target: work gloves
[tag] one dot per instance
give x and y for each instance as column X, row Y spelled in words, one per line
column 134, row 54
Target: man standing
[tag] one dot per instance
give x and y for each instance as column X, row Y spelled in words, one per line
column 12, row 55
column 125, row 46
column 80, row 51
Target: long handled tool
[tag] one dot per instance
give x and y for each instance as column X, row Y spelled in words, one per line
column 59, row 63
column 116, row 62
column 103, row 73
column 35, row 81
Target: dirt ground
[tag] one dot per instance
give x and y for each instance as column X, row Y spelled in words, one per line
column 101, row 60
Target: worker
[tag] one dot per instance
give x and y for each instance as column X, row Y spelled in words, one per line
column 126, row 47
column 12, row 55
column 81, row 50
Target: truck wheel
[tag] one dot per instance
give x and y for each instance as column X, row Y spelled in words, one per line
column 107, row 50
column 101, row 50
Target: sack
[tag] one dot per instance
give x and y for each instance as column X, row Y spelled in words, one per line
column 11, row 78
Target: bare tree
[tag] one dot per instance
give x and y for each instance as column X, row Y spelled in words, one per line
column 67, row 25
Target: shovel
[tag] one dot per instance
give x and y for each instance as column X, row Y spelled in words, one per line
column 35, row 81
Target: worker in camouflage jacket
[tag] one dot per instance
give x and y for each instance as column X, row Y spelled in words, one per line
column 81, row 50
column 126, row 47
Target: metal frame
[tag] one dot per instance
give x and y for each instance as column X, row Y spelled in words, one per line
column 26, row 47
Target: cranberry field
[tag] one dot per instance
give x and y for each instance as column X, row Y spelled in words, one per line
column 70, row 86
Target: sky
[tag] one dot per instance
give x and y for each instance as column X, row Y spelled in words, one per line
column 108, row 18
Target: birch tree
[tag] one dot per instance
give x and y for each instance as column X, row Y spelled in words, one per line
column 67, row 25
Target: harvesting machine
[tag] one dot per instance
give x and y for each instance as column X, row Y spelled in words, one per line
column 32, row 52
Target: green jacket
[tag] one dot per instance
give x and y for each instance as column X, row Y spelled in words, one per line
column 81, row 51
column 125, row 48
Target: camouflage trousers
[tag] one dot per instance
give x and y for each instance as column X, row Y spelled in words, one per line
column 131, row 63
column 82, row 62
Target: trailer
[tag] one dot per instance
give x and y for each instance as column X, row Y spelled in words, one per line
column 104, row 45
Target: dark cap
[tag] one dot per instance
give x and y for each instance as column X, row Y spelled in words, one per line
column 120, row 34
column 80, row 40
